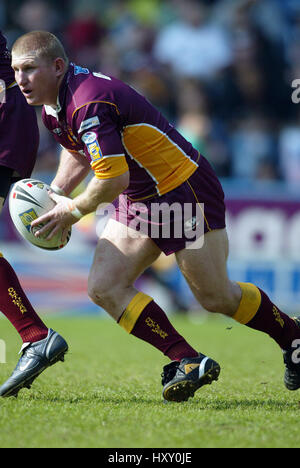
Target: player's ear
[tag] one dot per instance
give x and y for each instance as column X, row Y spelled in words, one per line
column 60, row 66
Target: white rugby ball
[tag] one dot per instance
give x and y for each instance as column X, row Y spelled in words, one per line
column 28, row 200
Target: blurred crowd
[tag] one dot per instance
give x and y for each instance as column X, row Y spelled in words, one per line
column 221, row 71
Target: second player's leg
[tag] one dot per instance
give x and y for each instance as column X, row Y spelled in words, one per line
column 42, row 347
column 14, row 302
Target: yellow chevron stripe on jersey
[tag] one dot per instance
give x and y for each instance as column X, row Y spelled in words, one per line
column 166, row 163
column 14, row 83
column 96, row 102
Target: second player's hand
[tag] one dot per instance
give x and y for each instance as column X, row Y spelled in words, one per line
column 57, row 219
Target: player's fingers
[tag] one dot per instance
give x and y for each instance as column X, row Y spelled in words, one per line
column 42, row 219
column 54, row 231
column 55, row 197
column 42, row 231
column 64, row 235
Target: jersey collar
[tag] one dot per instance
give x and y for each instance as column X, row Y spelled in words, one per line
column 60, row 98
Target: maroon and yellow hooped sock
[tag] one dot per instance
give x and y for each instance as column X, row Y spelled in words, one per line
column 15, row 305
column 144, row 319
column 257, row 311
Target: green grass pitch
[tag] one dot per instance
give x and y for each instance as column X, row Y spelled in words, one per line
column 107, row 394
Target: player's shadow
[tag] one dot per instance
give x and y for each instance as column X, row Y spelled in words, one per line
column 89, row 398
column 239, row 404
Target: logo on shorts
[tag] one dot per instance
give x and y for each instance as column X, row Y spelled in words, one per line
column 191, row 223
column 57, row 131
column 27, row 217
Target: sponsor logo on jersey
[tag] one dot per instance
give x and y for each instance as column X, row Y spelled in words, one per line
column 27, row 217
column 86, row 124
column 89, row 137
column 94, row 150
column 92, row 144
column 78, row 70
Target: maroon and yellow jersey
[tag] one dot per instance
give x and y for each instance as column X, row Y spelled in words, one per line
column 118, row 130
column 6, row 72
column 19, row 133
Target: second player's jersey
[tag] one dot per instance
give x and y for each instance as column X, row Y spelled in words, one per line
column 117, row 129
column 6, row 72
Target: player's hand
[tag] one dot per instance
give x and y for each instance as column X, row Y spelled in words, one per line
column 58, row 219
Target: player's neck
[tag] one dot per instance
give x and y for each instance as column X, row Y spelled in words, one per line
column 54, row 99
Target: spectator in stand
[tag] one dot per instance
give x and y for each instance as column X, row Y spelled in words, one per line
column 193, row 46
column 289, row 151
column 83, row 35
column 248, row 84
column 253, row 138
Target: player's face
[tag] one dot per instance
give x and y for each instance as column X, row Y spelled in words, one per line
column 37, row 78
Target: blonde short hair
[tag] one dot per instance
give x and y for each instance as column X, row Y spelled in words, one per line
column 45, row 44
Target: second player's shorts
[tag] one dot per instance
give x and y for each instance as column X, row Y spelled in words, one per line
column 174, row 221
column 19, row 134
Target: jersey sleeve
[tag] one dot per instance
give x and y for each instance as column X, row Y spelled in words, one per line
column 96, row 127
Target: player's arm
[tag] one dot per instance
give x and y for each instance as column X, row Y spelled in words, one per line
column 100, row 191
column 73, row 169
column 103, row 147
column 67, row 212
column 111, row 178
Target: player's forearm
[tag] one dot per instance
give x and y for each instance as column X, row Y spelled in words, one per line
column 100, row 191
column 73, row 168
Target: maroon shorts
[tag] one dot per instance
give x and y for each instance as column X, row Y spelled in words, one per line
column 19, row 134
column 174, row 221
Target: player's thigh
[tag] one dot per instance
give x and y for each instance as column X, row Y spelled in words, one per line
column 205, row 270
column 121, row 256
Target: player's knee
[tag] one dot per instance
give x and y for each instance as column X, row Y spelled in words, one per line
column 102, row 292
column 97, row 292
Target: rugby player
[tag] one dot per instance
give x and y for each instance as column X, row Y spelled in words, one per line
column 19, row 140
column 140, row 160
